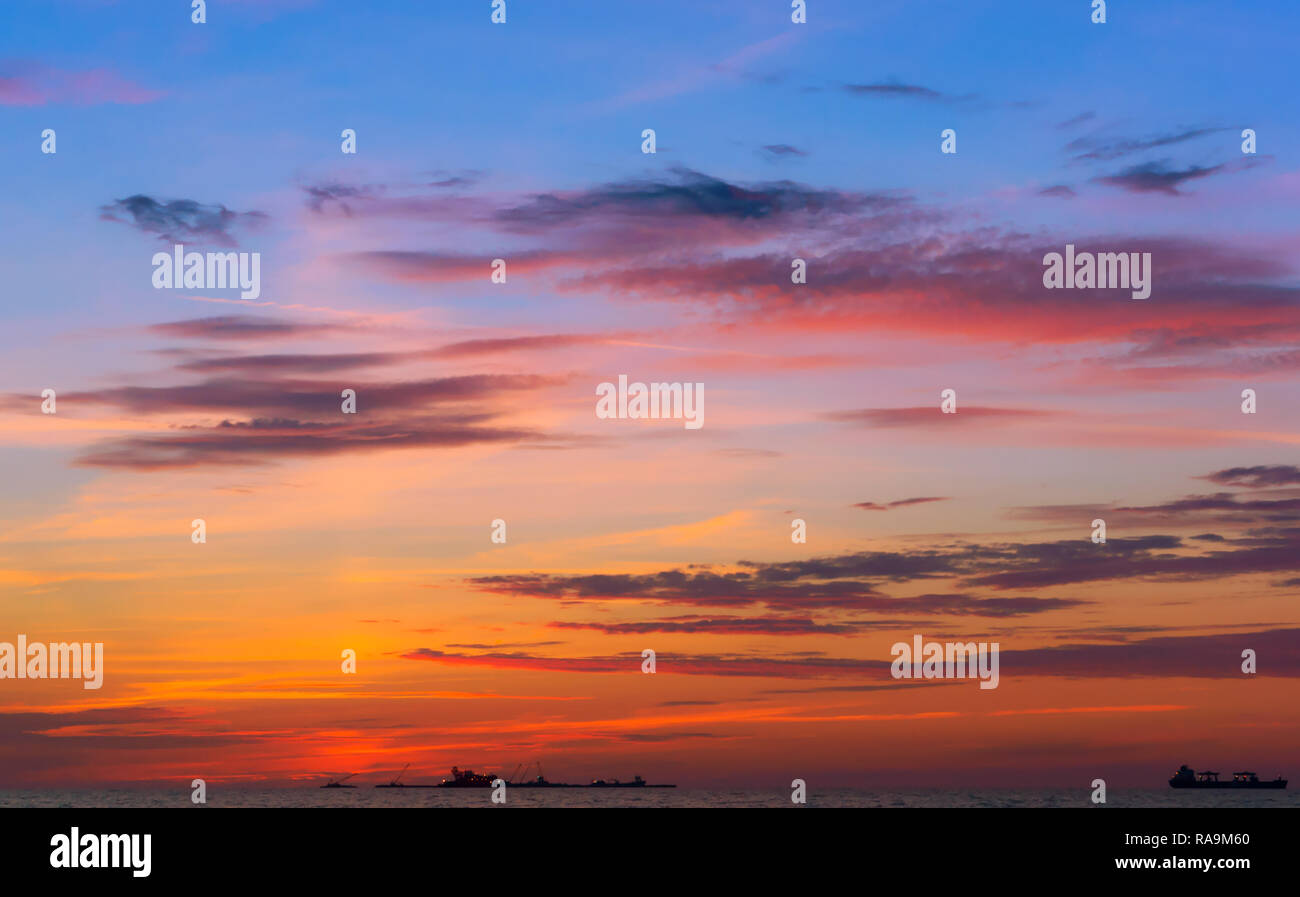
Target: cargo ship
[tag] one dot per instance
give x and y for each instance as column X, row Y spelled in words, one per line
column 467, row 779
column 1186, row 777
column 638, row 782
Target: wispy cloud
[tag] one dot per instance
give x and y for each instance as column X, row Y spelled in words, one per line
column 1191, row 656
column 1104, row 149
column 905, row 91
column 929, row 416
column 29, row 84
column 901, row 503
column 1077, row 120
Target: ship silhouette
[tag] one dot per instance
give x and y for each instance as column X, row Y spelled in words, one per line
column 338, row 783
column 470, row 779
column 638, row 782
column 1186, row 777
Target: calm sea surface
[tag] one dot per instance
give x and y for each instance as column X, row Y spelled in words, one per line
column 367, row 796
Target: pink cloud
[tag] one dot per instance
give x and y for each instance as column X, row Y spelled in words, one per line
column 41, row 86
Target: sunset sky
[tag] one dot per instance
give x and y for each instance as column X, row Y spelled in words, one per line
column 475, row 400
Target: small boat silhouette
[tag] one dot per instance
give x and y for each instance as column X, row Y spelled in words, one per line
column 1186, row 777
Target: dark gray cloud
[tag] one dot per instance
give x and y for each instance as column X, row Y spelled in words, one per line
column 320, row 195
column 905, row 91
column 853, row 581
column 1256, row 509
column 1156, row 177
column 447, row 180
column 1200, row 510
column 1059, row 191
column 724, row 626
column 902, row 503
column 1257, row 477
column 1047, row 564
column 260, row 419
column 261, row 441
column 180, row 220
column 843, row 582
column 289, row 398
column 679, row 587
column 295, row 363
column 240, row 328
column 1190, row 656
column 782, row 151
column 689, row 194
column 1159, row 177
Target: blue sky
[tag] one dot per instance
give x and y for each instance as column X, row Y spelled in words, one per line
column 776, row 140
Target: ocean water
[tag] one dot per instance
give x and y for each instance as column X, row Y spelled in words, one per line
column 368, row 796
